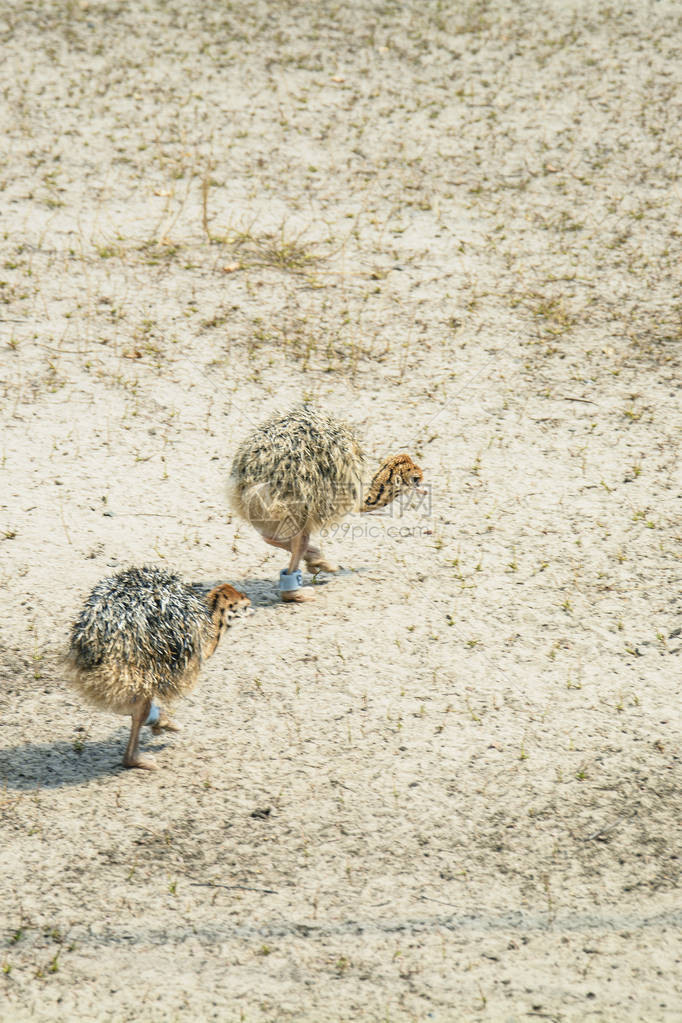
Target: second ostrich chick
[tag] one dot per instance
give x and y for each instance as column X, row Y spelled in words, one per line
column 143, row 635
column 301, row 472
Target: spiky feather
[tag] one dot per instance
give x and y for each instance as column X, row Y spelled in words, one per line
column 141, row 634
column 301, row 471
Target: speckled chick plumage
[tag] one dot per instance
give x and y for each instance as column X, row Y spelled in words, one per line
column 299, row 471
column 142, row 634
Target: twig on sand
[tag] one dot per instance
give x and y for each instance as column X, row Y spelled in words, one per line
column 232, row 887
column 61, row 516
column 427, row 898
column 571, row 397
column 602, row 832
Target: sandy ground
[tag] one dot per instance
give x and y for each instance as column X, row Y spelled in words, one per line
column 450, row 788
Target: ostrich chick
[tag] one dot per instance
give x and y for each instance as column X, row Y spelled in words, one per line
column 143, row 635
column 302, row 472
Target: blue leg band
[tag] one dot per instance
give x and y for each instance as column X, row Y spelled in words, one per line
column 289, row 581
column 154, row 715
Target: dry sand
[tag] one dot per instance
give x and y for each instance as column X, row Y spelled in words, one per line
column 450, row 788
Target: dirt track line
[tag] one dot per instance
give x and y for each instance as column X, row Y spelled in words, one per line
column 514, row 921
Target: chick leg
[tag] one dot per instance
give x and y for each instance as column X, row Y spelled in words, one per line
column 284, row 545
column 315, row 560
column 299, row 545
column 165, row 724
column 132, row 757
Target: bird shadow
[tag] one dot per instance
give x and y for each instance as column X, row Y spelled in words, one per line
column 261, row 592
column 54, row 765
column 265, row 592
